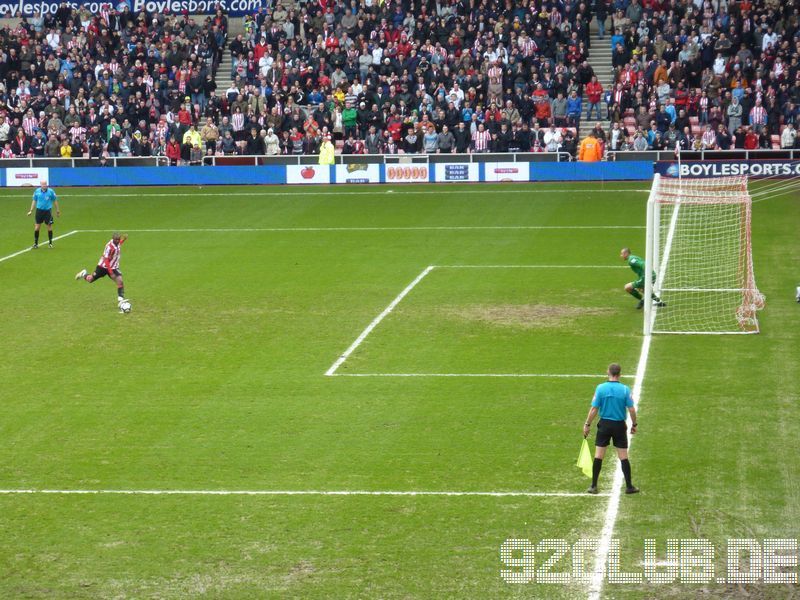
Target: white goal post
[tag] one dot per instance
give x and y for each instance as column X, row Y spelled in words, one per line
column 700, row 254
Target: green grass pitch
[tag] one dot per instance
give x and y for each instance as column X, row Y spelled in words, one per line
column 243, row 298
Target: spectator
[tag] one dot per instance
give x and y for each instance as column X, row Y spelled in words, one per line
column 445, row 141
column 173, row 152
column 272, row 143
column 594, row 93
column 326, row 151
column 788, row 137
column 574, row 109
column 481, row 139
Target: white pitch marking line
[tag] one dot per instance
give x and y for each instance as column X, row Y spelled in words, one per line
column 598, row 574
column 377, row 320
column 335, row 229
column 283, row 194
column 297, row 493
column 542, row 375
column 28, row 249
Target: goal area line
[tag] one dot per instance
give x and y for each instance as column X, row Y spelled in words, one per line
column 508, row 375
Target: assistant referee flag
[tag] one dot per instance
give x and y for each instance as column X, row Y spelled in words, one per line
column 585, row 459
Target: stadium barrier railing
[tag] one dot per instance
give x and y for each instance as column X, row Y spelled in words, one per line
column 660, row 155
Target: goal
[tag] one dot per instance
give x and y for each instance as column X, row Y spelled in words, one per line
column 698, row 246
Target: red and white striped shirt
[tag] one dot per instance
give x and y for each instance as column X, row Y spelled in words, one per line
column 527, row 46
column 758, row 116
column 77, row 133
column 481, row 140
column 110, row 259
column 30, row 124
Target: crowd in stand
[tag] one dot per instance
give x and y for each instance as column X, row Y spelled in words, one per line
column 409, row 76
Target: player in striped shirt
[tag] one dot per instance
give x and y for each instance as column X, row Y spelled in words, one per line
column 109, row 265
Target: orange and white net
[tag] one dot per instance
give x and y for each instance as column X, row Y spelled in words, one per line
column 704, row 267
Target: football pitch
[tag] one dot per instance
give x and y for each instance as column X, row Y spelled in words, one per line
column 363, row 392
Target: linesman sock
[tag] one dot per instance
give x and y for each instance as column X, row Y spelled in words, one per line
column 35, row 237
column 50, row 236
column 596, row 466
column 626, row 470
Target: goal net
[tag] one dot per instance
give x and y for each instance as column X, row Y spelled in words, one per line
column 698, row 247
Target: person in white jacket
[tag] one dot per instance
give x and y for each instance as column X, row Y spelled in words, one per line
column 788, row 137
column 272, row 143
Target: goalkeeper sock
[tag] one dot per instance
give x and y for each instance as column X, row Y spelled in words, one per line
column 656, row 298
column 636, row 294
column 596, row 466
column 626, row 470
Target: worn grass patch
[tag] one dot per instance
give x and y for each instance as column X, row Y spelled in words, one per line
column 523, row 316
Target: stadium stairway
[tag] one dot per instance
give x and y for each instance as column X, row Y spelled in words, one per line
column 223, row 76
column 600, row 60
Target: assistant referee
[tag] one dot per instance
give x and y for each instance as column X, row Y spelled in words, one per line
column 611, row 399
column 43, row 200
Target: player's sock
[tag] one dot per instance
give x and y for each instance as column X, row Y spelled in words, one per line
column 626, row 470
column 636, row 294
column 50, row 237
column 596, row 466
column 121, row 292
column 35, row 238
column 655, row 298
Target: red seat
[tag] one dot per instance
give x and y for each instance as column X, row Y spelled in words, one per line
column 694, row 121
column 630, row 122
column 776, row 139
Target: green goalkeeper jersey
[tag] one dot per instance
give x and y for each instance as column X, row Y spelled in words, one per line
column 637, row 264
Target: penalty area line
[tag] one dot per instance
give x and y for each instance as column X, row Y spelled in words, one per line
column 28, row 249
column 295, row 493
column 339, row 361
column 368, row 229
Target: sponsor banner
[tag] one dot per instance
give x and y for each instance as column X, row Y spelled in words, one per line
column 358, row 173
column 234, row 8
column 308, row 174
column 457, row 172
column 726, row 168
column 507, row 171
column 409, row 173
column 26, row 177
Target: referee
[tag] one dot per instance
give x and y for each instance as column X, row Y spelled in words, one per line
column 43, row 200
column 611, row 399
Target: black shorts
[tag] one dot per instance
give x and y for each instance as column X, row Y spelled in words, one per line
column 611, row 430
column 44, row 216
column 102, row 272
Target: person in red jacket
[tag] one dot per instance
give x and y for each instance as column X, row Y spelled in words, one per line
column 594, row 92
column 174, row 152
column 750, row 139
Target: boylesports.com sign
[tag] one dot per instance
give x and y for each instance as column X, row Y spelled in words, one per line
column 726, row 168
column 234, row 8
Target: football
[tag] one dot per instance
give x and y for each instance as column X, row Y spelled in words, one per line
column 125, row 306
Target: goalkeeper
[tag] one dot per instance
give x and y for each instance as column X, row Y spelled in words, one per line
column 635, row 288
